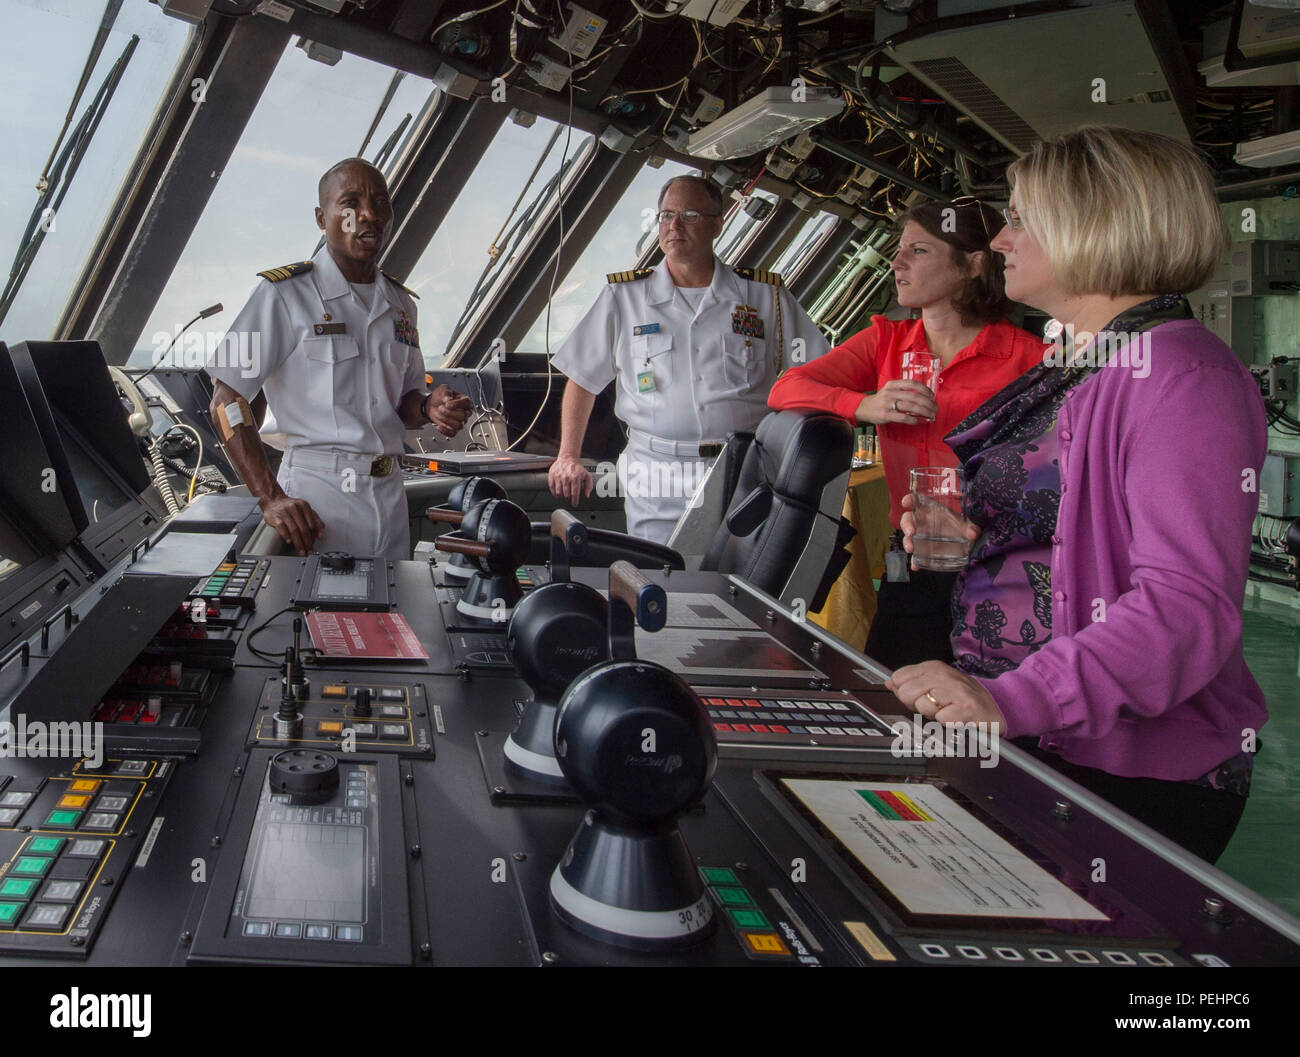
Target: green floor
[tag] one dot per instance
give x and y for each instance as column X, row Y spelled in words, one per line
column 1265, row 850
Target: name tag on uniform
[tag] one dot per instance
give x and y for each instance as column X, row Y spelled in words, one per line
column 645, row 328
column 645, row 382
column 746, row 320
column 322, row 329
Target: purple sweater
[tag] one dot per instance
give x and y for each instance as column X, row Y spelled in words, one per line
column 1144, row 676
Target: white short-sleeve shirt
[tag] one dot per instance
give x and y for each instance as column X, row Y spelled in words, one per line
column 687, row 374
column 333, row 368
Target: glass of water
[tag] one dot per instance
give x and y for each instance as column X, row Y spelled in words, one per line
column 939, row 543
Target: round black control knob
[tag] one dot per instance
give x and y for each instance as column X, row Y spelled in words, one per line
column 554, row 635
column 339, row 561
column 493, row 590
column 463, row 497
column 473, row 490
column 635, row 743
column 307, row 775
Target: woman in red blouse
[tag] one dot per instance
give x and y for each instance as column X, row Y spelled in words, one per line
column 945, row 269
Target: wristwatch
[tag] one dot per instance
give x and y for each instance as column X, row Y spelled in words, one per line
column 424, row 407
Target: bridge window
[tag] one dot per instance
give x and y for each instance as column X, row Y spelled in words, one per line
column 811, row 235
column 616, row 246
column 513, row 184
column 42, row 51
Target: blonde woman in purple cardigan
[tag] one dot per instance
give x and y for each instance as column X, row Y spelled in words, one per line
column 1110, row 498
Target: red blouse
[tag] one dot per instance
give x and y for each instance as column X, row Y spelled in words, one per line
column 837, row 382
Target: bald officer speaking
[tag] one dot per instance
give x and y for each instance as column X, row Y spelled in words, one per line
column 694, row 346
column 337, row 360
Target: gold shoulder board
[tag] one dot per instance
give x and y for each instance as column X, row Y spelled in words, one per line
column 758, row 276
column 629, row 276
column 402, row 285
column 286, row 271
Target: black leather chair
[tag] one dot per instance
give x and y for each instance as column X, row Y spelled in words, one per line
column 784, row 531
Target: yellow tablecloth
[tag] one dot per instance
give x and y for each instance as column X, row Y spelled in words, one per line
column 851, row 606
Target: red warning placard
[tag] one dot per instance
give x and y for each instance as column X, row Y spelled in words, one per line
column 364, row 636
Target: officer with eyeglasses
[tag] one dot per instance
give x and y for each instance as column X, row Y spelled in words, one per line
column 694, row 347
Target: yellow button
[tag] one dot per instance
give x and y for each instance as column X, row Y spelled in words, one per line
column 78, row 802
column 334, row 690
column 765, row 942
column 84, row 785
column 329, row 726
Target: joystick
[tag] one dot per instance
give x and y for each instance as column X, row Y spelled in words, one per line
column 288, row 720
column 636, row 745
column 462, row 498
column 497, row 534
column 555, row 634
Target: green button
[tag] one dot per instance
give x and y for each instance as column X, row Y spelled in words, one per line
column 18, row 887
column 736, row 897
column 9, row 912
column 720, row 875
column 46, row 845
column 63, row 819
column 31, row 865
column 749, row 919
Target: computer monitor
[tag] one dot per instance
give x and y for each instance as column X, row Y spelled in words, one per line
column 35, row 515
column 95, row 459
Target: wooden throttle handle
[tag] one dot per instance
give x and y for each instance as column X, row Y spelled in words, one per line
column 646, row 600
column 460, row 545
column 570, row 530
column 450, row 517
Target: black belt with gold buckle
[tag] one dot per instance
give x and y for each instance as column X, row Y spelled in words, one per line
column 382, row 466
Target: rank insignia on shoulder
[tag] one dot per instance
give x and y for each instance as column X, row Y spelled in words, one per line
column 629, row 276
column 402, row 285
column 286, row 271
column 759, row 276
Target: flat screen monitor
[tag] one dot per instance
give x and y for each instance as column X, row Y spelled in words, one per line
column 36, row 517
column 73, row 378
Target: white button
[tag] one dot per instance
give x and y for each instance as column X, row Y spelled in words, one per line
column 973, row 953
column 933, row 950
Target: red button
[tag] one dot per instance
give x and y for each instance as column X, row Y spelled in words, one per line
column 751, row 703
column 734, row 702
column 722, row 726
column 779, row 730
column 741, row 728
column 760, row 728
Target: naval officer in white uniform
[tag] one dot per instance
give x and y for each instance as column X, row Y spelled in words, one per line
column 336, row 358
column 695, row 347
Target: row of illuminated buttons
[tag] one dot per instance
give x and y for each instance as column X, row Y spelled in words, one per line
column 784, row 717
column 753, row 702
column 382, row 693
column 69, row 873
column 68, row 812
column 776, row 728
column 751, row 924
column 1045, row 955
column 116, row 711
column 296, row 930
column 333, row 728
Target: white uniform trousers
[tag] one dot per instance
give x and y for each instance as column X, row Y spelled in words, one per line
column 364, row 516
column 656, row 488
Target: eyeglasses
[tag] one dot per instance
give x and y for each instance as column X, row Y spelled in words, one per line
column 965, row 201
column 687, row 216
column 1012, row 217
